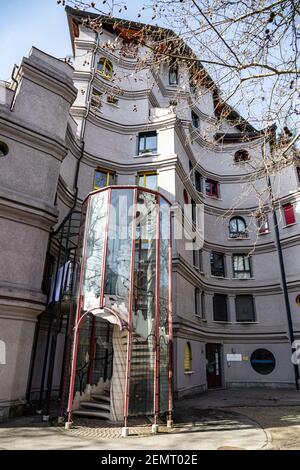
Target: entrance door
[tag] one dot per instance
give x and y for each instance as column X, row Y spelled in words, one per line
column 213, row 365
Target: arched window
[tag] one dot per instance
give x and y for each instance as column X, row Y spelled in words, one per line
column 187, row 357
column 3, row 149
column 241, row 156
column 105, row 68
column 237, row 227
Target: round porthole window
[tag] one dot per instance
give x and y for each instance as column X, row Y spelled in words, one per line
column 3, row 149
column 298, row 300
column 263, row 361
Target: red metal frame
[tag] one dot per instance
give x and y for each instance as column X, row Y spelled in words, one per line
column 157, row 312
column 170, row 344
column 130, row 306
column 79, row 318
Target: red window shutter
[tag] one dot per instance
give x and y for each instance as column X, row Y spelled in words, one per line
column 289, row 214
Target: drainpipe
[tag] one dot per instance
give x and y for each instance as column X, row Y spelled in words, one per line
column 284, row 283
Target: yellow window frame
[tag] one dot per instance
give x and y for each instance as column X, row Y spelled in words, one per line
column 187, row 357
column 108, row 175
column 105, row 63
column 144, row 176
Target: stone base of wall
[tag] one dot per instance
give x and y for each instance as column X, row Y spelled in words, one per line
column 9, row 410
column 260, row 385
column 185, row 392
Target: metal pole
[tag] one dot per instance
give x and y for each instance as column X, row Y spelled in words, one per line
column 156, row 321
column 129, row 335
column 34, row 351
column 284, row 284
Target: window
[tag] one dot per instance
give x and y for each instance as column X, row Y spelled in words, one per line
column 3, row 149
column 96, row 99
column 211, row 188
column 148, row 180
column 103, row 178
column 241, row 156
column 112, row 99
column 289, row 215
column 195, row 120
column 197, row 259
column 105, row 68
column 203, row 305
column 187, row 357
column 262, row 223
column 241, row 266
column 237, row 227
column 197, row 302
column 298, row 173
column 194, row 212
column 220, row 307
column 217, row 264
column 173, row 75
column 185, row 196
column 244, row 307
column 147, row 143
column 263, row 361
column 198, row 184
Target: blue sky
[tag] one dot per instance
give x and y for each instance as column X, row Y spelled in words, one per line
column 39, row 23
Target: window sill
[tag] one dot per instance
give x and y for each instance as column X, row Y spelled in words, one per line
column 143, row 155
column 219, row 277
column 213, row 197
column 239, row 238
column 246, row 322
column 290, row 225
column 264, row 233
column 243, row 278
column 113, row 104
column 200, row 318
column 189, row 372
column 223, row 322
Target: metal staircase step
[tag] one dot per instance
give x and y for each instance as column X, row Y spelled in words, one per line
column 95, row 405
column 92, row 414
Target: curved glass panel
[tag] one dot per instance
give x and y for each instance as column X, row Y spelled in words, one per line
column 94, row 250
column 118, row 257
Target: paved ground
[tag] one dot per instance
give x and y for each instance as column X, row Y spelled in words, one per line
column 243, row 419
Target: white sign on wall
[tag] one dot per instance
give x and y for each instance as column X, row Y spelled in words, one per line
column 234, row 357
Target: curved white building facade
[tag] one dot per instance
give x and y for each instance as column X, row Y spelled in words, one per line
column 105, row 123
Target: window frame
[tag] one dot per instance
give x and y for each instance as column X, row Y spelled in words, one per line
column 262, row 222
column 188, row 357
column 143, row 136
column 106, row 64
column 238, row 233
column 221, row 256
column 197, row 300
column 210, row 193
column 225, row 298
column 109, row 174
column 195, row 119
column 144, row 175
column 173, row 71
column 241, row 156
column 235, row 272
column 291, row 214
column 253, row 319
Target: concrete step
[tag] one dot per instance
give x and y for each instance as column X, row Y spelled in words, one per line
column 101, row 397
column 97, row 406
column 92, row 414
